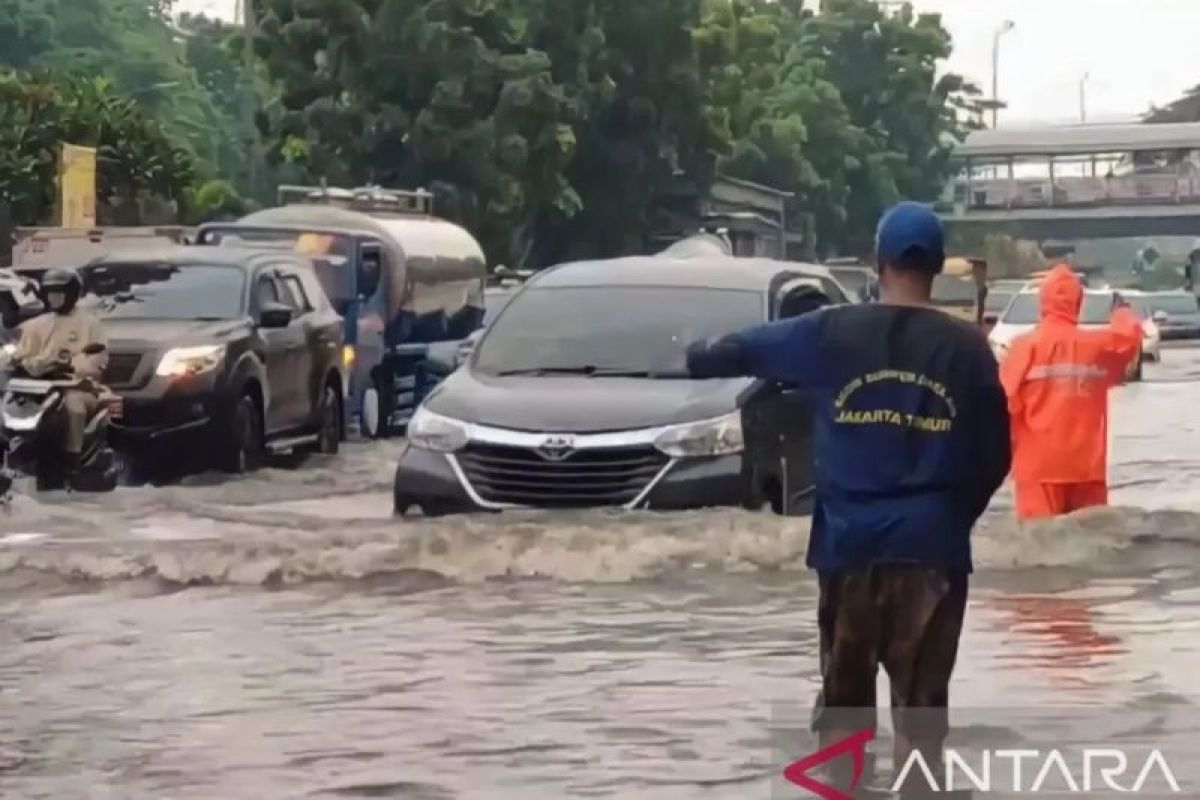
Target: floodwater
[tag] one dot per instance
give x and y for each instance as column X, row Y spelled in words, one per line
column 283, row 637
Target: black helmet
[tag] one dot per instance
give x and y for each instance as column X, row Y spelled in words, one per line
column 65, row 281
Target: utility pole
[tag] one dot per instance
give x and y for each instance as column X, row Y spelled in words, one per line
column 1003, row 29
column 1083, row 82
column 248, row 94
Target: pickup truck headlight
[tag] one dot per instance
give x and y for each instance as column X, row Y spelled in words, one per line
column 8, row 349
column 181, row 361
column 713, row 437
column 430, row 431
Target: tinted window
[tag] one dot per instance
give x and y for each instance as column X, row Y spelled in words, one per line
column 494, row 303
column 1180, row 304
column 954, row 291
column 265, row 292
column 639, row 329
column 330, row 254
column 1027, row 309
column 165, row 291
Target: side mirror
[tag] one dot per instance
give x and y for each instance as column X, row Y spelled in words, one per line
column 94, row 349
column 274, row 315
column 442, row 357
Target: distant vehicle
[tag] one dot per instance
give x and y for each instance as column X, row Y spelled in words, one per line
column 401, row 278
column 577, row 395
column 36, row 250
column 955, row 296
column 857, row 278
column 1177, row 315
column 445, row 357
column 237, row 349
column 1151, row 334
column 1025, row 312
column 997, row 300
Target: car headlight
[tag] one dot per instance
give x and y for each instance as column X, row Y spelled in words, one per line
column 430, row 431
column 714, row 437
column 8, row 349
column 180, row 361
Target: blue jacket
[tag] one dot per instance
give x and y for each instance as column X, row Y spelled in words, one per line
column 911, row 435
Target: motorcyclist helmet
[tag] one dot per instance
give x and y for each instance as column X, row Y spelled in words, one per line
column 60, row 290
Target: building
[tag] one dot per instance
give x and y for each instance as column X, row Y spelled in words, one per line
column 1075, row 181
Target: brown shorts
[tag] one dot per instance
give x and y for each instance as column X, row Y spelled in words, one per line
column 906, row 618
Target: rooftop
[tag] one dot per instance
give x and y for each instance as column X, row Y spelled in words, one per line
column 1079, row 140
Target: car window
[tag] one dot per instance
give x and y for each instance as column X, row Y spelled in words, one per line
column 293, row 293
column 314, row 291
column 265, row 292
column 1027, row 309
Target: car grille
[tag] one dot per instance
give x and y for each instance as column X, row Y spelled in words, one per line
column 586, row 478
column 121, row 369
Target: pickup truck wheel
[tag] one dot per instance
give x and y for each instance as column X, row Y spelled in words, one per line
column 242, row 440
column 330, row 435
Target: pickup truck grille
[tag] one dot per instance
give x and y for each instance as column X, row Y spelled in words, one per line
column 121, row 370
column 584, row 479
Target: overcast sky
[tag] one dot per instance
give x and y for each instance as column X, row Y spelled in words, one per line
column 1137, row 52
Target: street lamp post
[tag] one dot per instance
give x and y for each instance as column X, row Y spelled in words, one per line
column 1083, row 82
column 1003, row 29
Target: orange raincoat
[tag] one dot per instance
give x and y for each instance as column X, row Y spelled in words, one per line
column 1057, row 380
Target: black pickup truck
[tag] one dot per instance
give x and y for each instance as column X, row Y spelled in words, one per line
column 235, row 352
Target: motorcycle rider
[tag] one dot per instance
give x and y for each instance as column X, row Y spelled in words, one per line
column 57, row 341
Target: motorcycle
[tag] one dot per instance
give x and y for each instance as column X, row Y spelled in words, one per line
column 30, row 415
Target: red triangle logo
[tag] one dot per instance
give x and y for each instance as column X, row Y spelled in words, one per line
column 856, row 746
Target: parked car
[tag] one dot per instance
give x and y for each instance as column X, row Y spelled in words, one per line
column 1025, row 312
column 577, row 396
column 238, row 349
column 1177, row 315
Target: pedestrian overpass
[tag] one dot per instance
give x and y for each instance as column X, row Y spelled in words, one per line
column 1076, row 182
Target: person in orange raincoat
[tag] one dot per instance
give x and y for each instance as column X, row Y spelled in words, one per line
column 1057, row 379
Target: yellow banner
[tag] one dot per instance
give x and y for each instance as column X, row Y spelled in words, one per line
column 77, row 182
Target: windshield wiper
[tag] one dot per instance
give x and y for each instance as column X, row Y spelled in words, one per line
column 592, row 371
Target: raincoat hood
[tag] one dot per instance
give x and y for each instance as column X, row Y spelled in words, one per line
column 1061, row 295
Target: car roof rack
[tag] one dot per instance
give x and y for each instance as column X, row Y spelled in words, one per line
column 363, row 198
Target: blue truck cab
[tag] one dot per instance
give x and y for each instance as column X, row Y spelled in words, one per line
column 401, row 278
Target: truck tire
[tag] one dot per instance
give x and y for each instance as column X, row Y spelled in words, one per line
column 240, row 448
column 378, row 405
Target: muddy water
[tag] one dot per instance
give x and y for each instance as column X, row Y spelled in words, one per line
column 283, row 637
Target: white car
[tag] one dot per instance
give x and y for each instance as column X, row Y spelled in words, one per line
column 1025, row 312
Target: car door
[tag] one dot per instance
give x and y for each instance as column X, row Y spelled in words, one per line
column 277, row 350
column 320, row 344
column 298, row 363
column 784, row 414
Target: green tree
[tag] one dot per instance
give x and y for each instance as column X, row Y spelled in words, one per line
column 137, row 160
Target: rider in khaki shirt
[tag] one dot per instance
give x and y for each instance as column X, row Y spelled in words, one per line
column 58, row 339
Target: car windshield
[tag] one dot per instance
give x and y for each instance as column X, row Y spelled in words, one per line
column 164, row 291
column 495, row 302
column 1177, row 304
column 949, row 290
column 1027, row 309
column 634, row 331
column 998, row 300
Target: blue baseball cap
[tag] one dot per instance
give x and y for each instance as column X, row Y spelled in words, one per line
column 909, row 226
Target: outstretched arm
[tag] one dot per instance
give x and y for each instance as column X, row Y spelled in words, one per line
column 783, row 351
column 1123, row 342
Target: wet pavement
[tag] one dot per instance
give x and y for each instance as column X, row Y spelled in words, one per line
column 283, row 637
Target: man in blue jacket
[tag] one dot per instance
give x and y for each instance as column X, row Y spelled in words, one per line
column 911, row 440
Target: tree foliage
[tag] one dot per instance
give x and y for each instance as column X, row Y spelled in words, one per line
column 552, row 129
column 137, row 160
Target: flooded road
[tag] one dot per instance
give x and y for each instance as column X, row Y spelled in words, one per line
column 283, row 637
